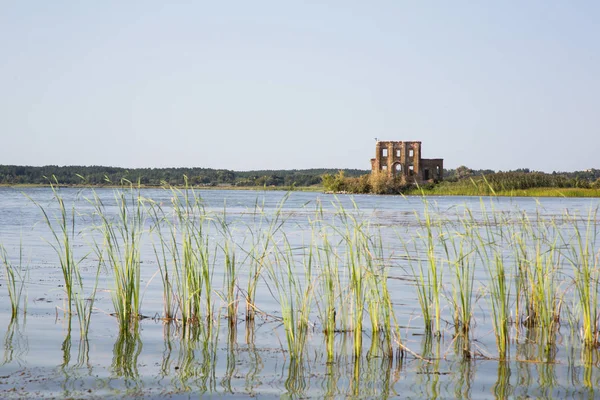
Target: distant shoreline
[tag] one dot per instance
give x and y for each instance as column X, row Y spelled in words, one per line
column 532, row 192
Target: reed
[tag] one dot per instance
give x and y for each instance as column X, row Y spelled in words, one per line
column 459, row 250
column 231, row 281
column 62, row 229
column 261, row 233
column 584, row 259
column 328, row 260
column 121, row 253
column 295, row 293
column 16, row 278
column 192, row 258
column 162, row 255
column 428, row 276
column 354, row 242
column 489, row 250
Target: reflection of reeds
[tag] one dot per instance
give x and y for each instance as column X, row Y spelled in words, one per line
column 502, row 388
column 126, row 351
column 15, row 343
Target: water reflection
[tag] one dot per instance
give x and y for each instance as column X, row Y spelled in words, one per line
column 126, row 351
column 256, row 365
column 502, row 388
column 16, row 345
column 231, row 353
column 197, row 359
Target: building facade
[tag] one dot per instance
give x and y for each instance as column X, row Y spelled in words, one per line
column 403, row 160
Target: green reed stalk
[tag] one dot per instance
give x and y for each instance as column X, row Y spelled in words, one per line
column 499, row 291
column 121, row 251
column 169, row 299
column 428, row 278
column 328, row 259
column 231, row 280
column 463, row 269
column 498, row 287
column 191, row 257
column 64, row 235
column 355, row 262
column 586, row 276
column 379, row 302
column 16, row 278
column 85, row 305
column 295, row 295
column 261, row 247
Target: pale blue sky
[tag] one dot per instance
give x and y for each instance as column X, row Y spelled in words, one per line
column 280, row 85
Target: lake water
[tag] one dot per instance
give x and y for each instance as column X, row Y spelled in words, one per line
column 46, row 356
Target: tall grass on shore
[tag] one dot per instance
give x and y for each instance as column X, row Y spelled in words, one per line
column 120, row 251
column 16, row 279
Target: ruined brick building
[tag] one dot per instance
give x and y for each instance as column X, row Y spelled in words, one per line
column 403, row 159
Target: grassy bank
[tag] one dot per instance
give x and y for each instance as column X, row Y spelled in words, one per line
column 516, row 184
column 456, row 190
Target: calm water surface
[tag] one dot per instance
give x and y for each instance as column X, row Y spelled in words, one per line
column 44, row 355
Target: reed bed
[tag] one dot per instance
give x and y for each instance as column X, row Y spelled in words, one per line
column 331, row 275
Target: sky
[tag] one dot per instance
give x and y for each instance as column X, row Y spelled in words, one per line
column 247, row 85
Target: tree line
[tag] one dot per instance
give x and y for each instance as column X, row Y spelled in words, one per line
column 101, row 175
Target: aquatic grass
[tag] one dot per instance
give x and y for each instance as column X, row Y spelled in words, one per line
column 262, row 246
column 498, row 288
column 62, row 229
column 355, row 259
column 584, row 259
column 328, row 260
column 295, row 293
column 16, row 278
column 121, row 252
column 459, row 250
column 157, row 214
column 186, row 258
column 230, row 281
column 428, row 275
column 84, row 306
